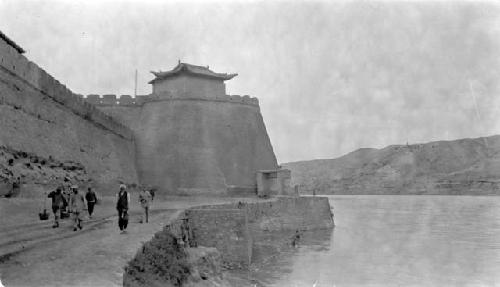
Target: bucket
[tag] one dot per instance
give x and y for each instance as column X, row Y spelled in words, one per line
column 43, row 215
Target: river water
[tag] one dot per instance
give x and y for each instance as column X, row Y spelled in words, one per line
column 397, row 241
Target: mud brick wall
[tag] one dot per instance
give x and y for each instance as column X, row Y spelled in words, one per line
column 40, row 115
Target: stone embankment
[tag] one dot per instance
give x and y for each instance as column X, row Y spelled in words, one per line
column 204, row 241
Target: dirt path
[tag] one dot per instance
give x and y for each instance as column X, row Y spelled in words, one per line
column 94, row 256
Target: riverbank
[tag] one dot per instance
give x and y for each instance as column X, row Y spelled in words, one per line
column 239, row 237
column 34, row 254
column 222, row 229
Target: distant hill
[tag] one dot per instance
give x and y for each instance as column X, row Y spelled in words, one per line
column 465, row 166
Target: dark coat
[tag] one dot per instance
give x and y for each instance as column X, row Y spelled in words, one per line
column 57, row 199
column 91, row 197
column 122, row 200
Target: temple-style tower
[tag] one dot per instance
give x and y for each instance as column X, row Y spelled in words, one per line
column 187, row 80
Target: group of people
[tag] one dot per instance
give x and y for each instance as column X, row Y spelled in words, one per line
column 75, row 204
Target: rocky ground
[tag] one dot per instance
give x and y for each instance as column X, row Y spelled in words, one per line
column 37, row 173
column 34, row 254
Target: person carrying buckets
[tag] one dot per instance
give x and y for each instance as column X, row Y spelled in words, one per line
column 58, row 202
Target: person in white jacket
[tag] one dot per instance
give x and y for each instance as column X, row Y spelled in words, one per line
column 145, row 200
column 76, row 205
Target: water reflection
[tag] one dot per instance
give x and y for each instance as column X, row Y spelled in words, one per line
column 399, row 241
column 271, row 265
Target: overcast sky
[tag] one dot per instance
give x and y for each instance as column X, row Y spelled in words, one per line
column 331, row 77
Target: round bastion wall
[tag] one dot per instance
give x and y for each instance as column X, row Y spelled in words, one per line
column 198, row 144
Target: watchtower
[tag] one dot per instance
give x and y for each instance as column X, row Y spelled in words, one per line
column 190, row 81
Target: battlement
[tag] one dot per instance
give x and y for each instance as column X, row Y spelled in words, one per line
column 246, row 99
column 16, row 64
column 111, row 100
column 129, row 101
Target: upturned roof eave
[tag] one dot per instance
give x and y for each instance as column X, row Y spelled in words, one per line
column 164, row 76
column 193, row 70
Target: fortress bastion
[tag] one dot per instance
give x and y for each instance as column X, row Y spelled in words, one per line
column 190, row 136
column 187, row 136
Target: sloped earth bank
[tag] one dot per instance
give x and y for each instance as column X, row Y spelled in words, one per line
column 34, row 254
column 458, row 167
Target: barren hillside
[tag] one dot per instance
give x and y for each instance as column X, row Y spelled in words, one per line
column 465, row 166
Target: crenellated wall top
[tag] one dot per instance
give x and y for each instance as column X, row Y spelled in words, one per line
column 129, row 101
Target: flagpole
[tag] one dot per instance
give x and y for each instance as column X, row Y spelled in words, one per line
column 135, row 85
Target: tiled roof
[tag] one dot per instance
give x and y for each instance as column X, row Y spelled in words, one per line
column 193, row 70
column 11, row 43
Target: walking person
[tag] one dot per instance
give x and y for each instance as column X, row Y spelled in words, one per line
column 122, row 202
column 58, row 202
column 66, row 193
column 76, row 204
column 145, row 200
column 16, row 188
column 91, row 198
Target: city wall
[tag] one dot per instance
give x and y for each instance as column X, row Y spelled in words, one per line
column 34, row 76
column 177, row 141
column 40, row 115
